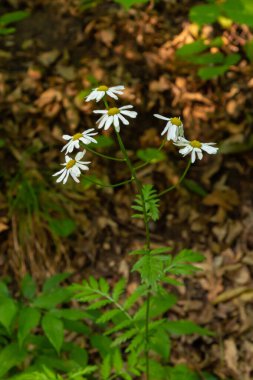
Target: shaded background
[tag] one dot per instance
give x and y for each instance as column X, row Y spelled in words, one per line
column 47, row 67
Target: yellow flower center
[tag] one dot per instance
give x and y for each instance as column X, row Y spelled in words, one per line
column 195, row 144
column 102, row 88
column 113, row 111
column 77, row 136
column 70, row 164
column 176, row 121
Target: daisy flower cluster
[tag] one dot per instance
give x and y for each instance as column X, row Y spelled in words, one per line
column 175, row 132
column 115, row 117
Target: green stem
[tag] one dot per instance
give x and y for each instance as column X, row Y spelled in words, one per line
column 104, row 155
column 180, row 180
column 146, row 222
column 112, row 185
column 106, row 103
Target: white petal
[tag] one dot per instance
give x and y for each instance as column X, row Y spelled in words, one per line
column 109, row 122
column 172, row 133
column 66, row 146
column 100, row 95
column 126, row 107
column 209, row 149
column 67, row 159
column 102, row 121
column 132, row 114
column 200, row 155
column 193, row 156
column 59, row 172
column 165, row 130
column 117, row 88
column 124, row 121
column 75, row 169
column 62, row 176
column 100, row 111
column 74, row 177
column 161, row 117
column 83, row 167
column 66, row 137
column 111, row 94
column 185, row 150
column 80, row 155
column 116, row 121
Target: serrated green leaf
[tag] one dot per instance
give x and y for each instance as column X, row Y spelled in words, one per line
column 150, row 269
column 117, row 361
column 93, row 283
column 184, row 327
column 159, row 304
column 106, row 368
column 28, row 319
column 139, row 292
column 53, row 328
column 188, row 256
column 160, row 250
column 98, row 304
column 107, row 316
column 120, row 326
column 103, row 285
column 119, row 289
column 124, row 337
column 160, row 343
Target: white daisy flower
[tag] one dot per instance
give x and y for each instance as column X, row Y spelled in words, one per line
column 72, row 167
column 99, row 92
column 174, row 128
column 74, row 141
column 114, row 116
column 195, row 148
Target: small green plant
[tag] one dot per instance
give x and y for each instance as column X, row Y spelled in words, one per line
column 135, row 332
column 213, row 62
column 34, row 330
column 11, row 18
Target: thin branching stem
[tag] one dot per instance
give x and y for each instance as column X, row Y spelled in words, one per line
column 180, row 180
column 146, row 222
column 111, row 185
column 104, row 155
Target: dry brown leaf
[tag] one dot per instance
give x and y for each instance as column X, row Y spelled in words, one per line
column 48, row 96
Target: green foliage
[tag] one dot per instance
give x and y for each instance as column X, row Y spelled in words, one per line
column 151, row 202
column 10, row 18
column 152, row 155
column 127, row 4
column 62, row 227
column 214, row 64
column 32, row 330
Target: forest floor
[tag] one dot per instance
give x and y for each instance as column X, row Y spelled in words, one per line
column 53, row 59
